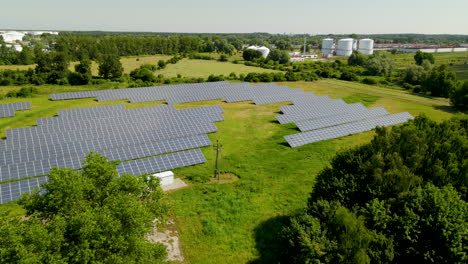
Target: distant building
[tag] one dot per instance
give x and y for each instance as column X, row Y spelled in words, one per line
column 264, row 50
column 431, row 49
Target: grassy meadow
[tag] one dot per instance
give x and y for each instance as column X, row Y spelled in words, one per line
column 203, row 68
column 236, row 222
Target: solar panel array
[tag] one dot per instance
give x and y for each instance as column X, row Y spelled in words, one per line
column 118, row 133
column 303, row 138
column 141, row 137
column 8, row 110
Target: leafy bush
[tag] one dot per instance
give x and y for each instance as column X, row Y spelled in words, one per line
column 23, row 92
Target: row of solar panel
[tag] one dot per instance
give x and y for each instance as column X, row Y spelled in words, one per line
column 112, row 123
column 135, row 136
column 8, row 110
column 308, row 137
column 39, row 167
column 12, row 191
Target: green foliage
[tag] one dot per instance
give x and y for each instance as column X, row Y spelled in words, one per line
column 89, row 216
column 357, row 59
column 250, row 54
column 459, row 97
column 110, row 66
column 422, row 56
column 223, row 57
column 82, row 74
column 442, row 81
column 278, row 55
column 23, row 92
column 379, row 64
column 399, row 199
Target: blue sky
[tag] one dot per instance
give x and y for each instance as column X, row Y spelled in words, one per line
column 273, row 16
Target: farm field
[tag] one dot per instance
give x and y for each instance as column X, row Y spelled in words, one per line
column 236, row 222
column 203, row 68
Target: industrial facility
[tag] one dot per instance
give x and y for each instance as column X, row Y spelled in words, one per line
column 345, row 47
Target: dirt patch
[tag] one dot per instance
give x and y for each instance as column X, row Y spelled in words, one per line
column 225, row 178
column 178, row 183
column 169, row 238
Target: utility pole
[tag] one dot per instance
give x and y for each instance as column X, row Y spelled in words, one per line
column 217, row 147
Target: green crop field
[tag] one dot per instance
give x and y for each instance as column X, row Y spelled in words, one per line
column 236, row 222
column 203, row 68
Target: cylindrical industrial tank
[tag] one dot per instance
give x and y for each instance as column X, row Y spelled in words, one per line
column 264, row 50
column 366, row 46
column 345, row 47
column 328, row 46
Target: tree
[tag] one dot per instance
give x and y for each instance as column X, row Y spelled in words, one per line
column 357, row 59
column 379, row 64
column 26, row 56
column 250, row 54
column 87, row 216
column 442, row 81
column 459, row 97
column 110, row 66
column 280, row 56
column 421, row 56
column 82, row 74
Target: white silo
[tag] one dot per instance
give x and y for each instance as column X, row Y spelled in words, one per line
column 345, row 47
column 366, row 46
column 328, row 46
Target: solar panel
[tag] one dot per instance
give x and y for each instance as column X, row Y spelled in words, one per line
column 22, row 170
column 8, row 110
column 326, row 110
column 12, row 191
column 340, row 119
column 162, row 163
column 303, row 138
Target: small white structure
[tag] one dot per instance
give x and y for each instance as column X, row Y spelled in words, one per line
column 264, row 50
column 345, row 47
column 328, row 46
column 166, row 178
column 366, row 46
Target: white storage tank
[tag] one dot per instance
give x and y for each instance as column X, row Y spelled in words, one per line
column 366, row 46
column 345, row 47
column 166, row 178
column 328, row 46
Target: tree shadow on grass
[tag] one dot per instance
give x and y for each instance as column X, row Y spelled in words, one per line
column 448, row 109
column 268, row 241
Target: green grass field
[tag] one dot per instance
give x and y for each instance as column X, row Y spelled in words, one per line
column 236, row 222
column 203, row 68
column 461, row 70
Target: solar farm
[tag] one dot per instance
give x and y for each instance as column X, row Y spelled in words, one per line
column 158, row 138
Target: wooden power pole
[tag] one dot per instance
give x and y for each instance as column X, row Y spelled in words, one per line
column 217, row 147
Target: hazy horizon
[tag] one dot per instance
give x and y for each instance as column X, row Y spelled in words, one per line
column 210, row 16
